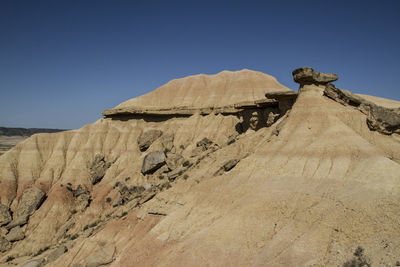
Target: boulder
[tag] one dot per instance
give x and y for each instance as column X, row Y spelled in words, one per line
column 5, row 216
column 306, row 75
column 147, row 138
column 15, row 234
column 98, row 168
column 153, row 161
column 101, row 256
column 383, row 120
column 30, row 201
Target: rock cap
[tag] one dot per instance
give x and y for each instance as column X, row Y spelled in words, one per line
column 306, row 75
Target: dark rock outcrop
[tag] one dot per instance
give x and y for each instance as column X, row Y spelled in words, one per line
column 147, row 138
column 381, row 119
column 30, row 201
column 153, row 161
column 98, row 168
column 230, row 164
column 306, row 75
column 82, row 197
column 203, row 145
column 5, row 216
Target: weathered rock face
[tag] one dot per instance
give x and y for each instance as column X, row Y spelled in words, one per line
column 381, row 119
column 56, row 253
column 5, row 216
column 15, row 234
column 153, row 161
column 147, row 138
column 98, row 168
column 295, row 198
column 30, row 201
column 4, row 244
column 82, row 197
column 307, row 75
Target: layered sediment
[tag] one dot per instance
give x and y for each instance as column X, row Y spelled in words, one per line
column 278, row 178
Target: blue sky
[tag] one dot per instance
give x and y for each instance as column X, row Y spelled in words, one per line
column 63, row 62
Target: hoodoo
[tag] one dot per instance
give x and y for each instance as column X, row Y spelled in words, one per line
column 232, row 169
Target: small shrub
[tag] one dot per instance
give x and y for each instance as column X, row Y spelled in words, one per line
column 359, row 260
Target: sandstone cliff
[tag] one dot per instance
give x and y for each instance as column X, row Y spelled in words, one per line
column 274, row 179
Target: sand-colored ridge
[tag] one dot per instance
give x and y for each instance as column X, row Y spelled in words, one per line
column 305, row 191
column 204, row 91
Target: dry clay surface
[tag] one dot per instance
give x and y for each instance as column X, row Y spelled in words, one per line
column 304, row 192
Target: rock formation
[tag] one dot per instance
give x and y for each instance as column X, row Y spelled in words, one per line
column 226, row 169
column 307, row 75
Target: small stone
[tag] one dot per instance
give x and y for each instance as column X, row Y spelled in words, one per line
column 230, row 164
column 15, row 234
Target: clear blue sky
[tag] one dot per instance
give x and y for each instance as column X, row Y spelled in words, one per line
column 63, row 62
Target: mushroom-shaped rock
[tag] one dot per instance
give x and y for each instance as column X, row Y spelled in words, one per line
column 153, row 161
column 306, row 75
column 5, row 216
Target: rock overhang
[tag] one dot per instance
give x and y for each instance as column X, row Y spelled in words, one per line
column 228, row 92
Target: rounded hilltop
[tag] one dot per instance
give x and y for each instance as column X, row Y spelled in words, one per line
column 203, row 91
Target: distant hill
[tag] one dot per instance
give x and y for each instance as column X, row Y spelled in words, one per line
column 6, row 131
column 9, row 137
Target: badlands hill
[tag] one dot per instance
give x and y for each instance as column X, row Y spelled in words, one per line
column 232, row 169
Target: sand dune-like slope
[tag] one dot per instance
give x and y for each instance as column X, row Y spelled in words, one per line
column 305, row 191
column 222, row 89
